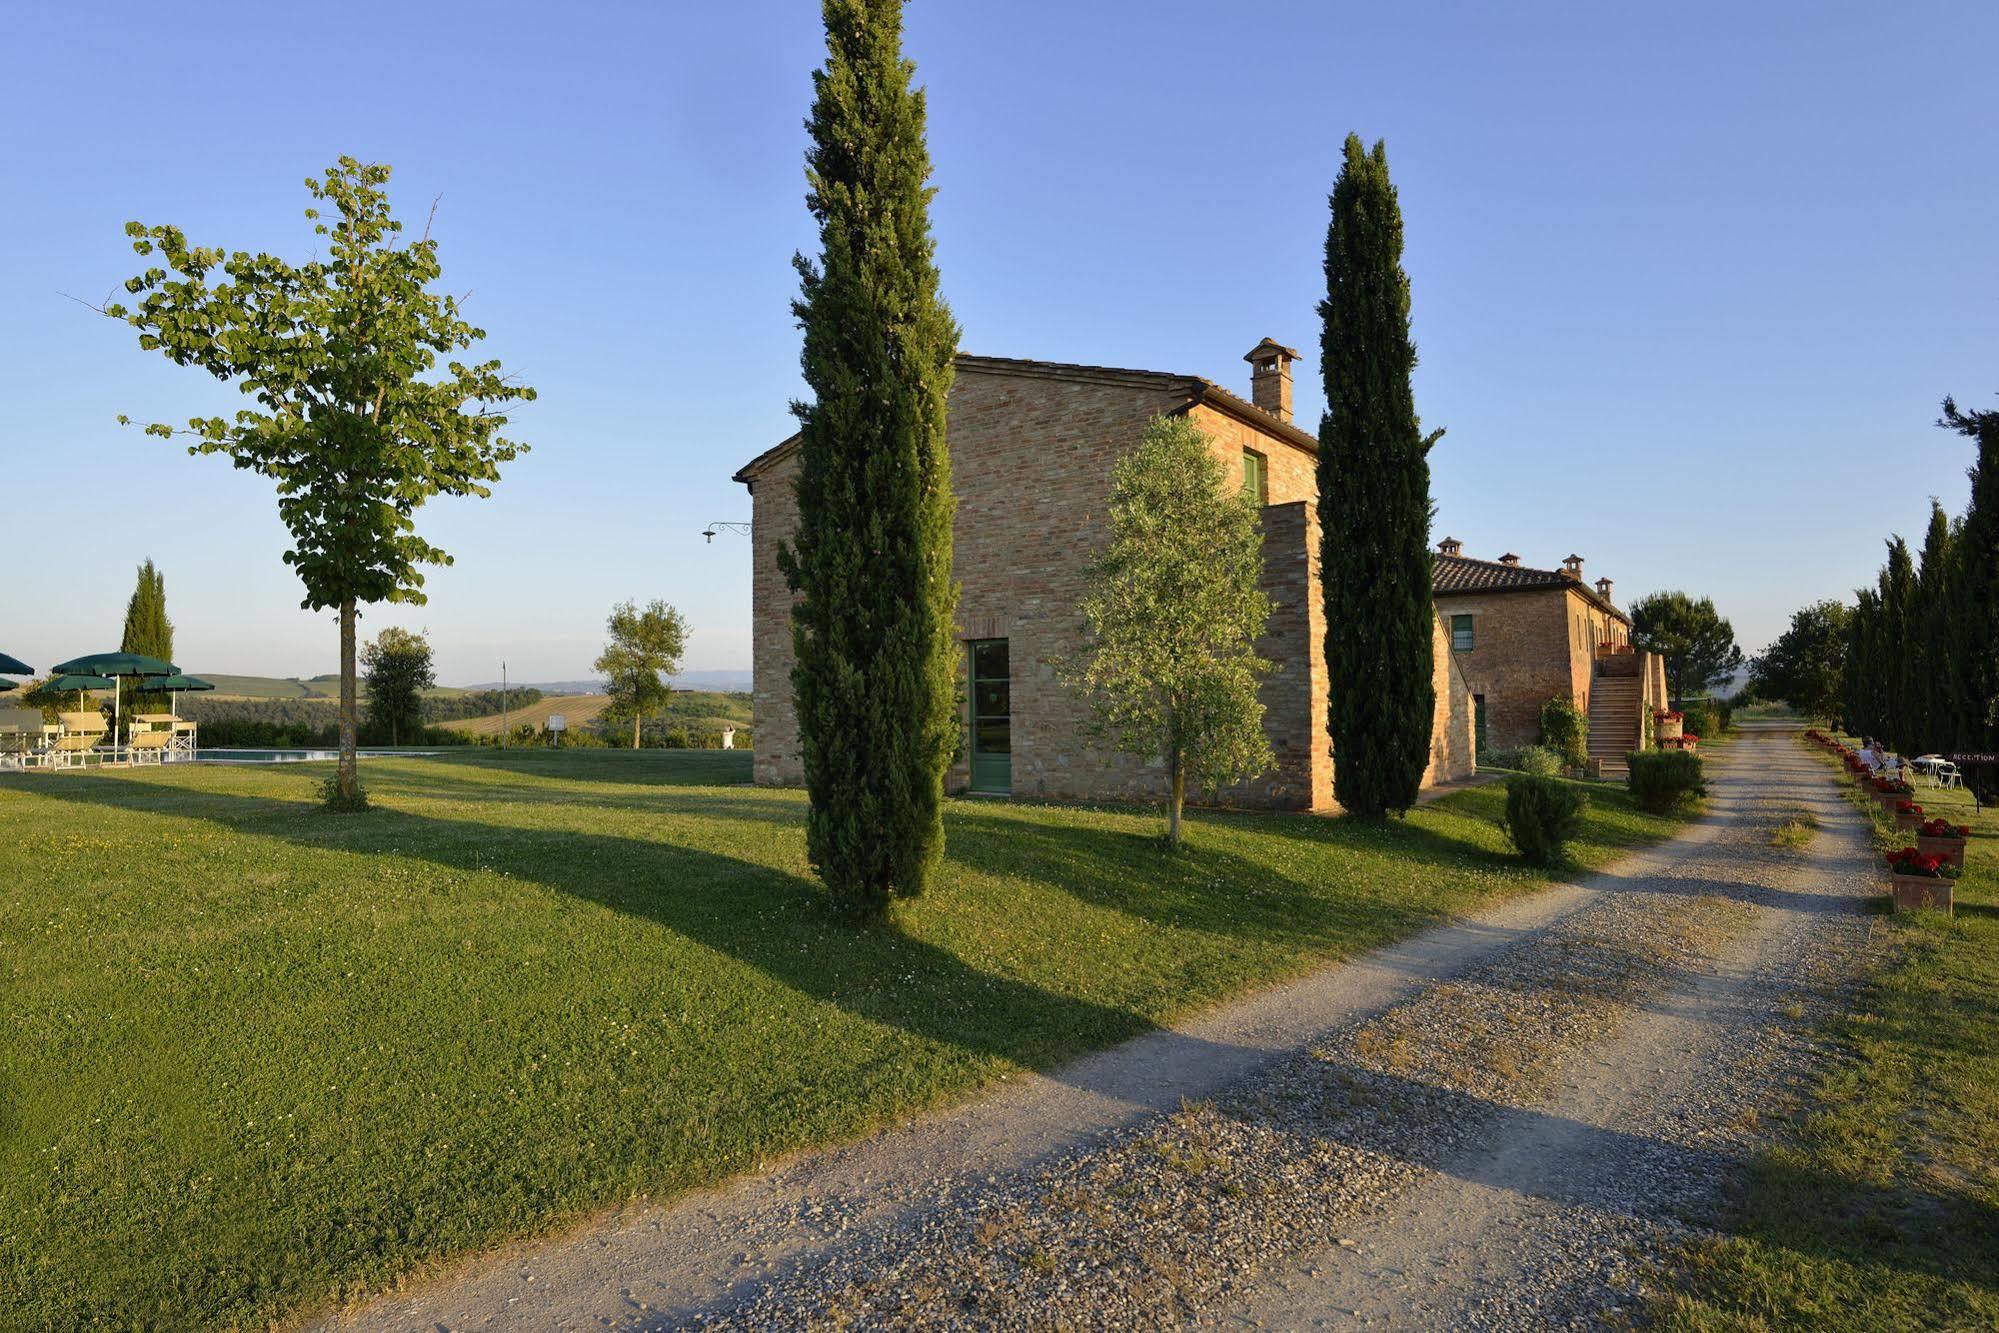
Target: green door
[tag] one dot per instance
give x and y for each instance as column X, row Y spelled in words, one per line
column 992, row 718
column 1478, row 727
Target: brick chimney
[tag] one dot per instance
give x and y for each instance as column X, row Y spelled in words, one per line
column 1573, row 567
column 1451, row 546
column 1270, row 377
column 1509, row 559
column 1603, row 587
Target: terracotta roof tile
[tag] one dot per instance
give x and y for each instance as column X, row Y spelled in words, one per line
column 1462, row 574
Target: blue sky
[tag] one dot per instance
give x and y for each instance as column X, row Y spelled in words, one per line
column 1689, row 280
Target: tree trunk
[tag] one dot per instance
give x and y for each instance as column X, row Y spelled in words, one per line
column 349, row 778
column 1177, row 799
column 635, row 730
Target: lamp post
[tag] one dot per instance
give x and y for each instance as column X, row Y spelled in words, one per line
column 503, row 705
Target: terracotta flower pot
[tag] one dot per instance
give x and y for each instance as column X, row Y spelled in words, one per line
column 1914, row 891
column 1905, row 819
column 1669, row 728
column 1950, row 849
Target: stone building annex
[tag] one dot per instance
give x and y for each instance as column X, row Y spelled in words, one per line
column 1032, row 444
column 1523, row 636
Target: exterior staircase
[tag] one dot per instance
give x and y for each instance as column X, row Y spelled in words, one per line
column 1613, row 721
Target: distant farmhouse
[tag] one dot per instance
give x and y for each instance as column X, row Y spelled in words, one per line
column 1032, row 444
column 1523, row 636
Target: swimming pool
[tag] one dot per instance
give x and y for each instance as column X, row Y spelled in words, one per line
column 235, row 756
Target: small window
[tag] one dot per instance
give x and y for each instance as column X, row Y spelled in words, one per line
column 1461, row 635
column 1256, row 476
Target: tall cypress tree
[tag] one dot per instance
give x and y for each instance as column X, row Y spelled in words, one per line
column 147, row 630
column 1975, row 599
column 1897, row 637
column 1374, row 502
column 871, row 558
column 1930, row 664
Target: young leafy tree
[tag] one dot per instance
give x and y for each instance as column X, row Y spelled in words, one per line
column 1696, row 643
column 877, row 663
column 363, row 410
column 398, row 670
column 1806, row 666
column 147, row 631
column 1975, row 597
column 1175, row 606
column 1374, row 502
column 645, row 647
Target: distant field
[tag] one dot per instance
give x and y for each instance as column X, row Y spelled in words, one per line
column 697, row 710
column 274, row 687
column 576, row 710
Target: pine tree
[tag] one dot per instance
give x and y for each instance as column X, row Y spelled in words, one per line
column 1374, row 502
column 871, row 558
column 1975, row 598
column 147, row 631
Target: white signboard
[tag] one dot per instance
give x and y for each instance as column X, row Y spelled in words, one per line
column 556, row 722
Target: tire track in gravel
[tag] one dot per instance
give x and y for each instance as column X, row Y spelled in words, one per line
column 1554, row 1218
column 1084, row 1196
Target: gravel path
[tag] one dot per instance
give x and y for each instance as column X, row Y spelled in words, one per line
column 1492, row 1125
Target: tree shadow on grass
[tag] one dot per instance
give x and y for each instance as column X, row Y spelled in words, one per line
column 768, row 919
column 1204, row 886
column 651, row 768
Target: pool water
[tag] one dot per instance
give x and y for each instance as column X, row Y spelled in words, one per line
column 234, row 756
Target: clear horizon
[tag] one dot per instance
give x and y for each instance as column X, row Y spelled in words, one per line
column 1689, row 285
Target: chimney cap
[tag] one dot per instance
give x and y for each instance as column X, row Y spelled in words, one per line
column 1573, row 566
column 1450, row 546
column 1270, row 349
column 1604, row 585
column 1509, row 559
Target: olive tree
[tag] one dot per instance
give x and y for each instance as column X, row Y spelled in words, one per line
column 1174, row 607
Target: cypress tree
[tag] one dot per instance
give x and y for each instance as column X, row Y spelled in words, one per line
column 1892, row 648
column 1861, row 690
column 871, row 557
column 147, row 630
column 1930, row 653
column 1374, row 502
column 1975, row 601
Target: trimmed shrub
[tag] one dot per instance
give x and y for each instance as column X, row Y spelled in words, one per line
column 1663, row 779
column 1565, row 730
column 1542, row 815
column 1537, row 760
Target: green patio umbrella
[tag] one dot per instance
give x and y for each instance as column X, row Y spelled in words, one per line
column 117, row 665
column 6, row 685
column 79, row 682
column 14, row 666
column 175, row 683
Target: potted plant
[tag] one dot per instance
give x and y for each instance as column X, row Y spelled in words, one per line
column 1667, row 726
column 1891, row 792
column 1919, row 880
column 1908, row 815
column 1940, row 837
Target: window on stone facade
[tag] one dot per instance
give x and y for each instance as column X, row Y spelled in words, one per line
column 1256, row 475
column 1461, row 634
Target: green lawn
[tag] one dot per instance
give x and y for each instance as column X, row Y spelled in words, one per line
column 256, row 1057
column 1877, row 1207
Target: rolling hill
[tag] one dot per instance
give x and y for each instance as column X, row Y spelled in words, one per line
column 696, row 710
column 291, row 687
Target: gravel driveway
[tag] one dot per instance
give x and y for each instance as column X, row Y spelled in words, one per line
column 1495, row 1125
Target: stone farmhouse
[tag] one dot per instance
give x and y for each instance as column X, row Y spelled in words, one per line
column 1523, row 636
column 1032, row 444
